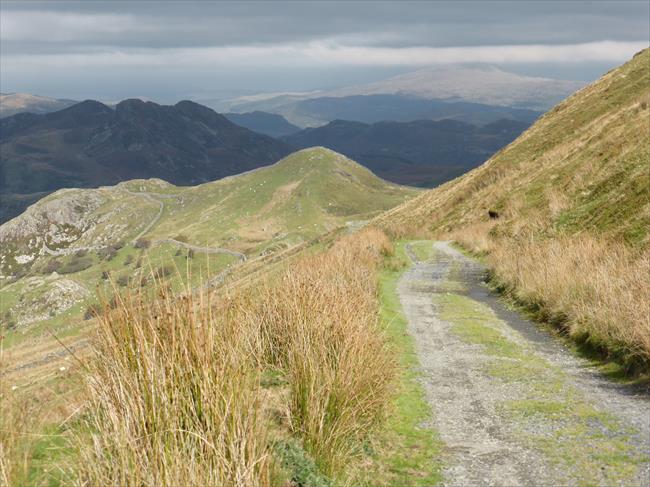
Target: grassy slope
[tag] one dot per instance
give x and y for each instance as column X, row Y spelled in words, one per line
column 583, row 167
column 272, row 209
column 300, row 197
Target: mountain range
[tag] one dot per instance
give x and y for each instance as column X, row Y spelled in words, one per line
column 90, row 144
column 419, row 153
column 485, row 86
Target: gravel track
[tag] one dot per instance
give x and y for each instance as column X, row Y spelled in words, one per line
column 483, row 448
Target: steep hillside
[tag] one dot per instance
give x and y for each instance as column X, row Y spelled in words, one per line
column 582, row 167
column 12, row 103
column 270, row 124
column 563, row 215
column 420, row 153
column 55, row 253
column 90, row 144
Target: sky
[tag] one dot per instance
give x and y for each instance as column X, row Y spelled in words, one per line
column 166, row 51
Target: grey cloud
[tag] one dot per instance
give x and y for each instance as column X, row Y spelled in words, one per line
column 111, row 49
column 202, row 24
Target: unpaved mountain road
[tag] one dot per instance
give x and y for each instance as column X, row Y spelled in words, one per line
column 153, row 198
column 512, row 405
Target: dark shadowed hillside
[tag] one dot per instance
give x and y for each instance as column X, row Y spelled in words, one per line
column 265, row 123
column 419, row 153
column 400, row 108
column 90, row 144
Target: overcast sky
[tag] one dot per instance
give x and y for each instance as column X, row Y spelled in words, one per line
column 167, row 50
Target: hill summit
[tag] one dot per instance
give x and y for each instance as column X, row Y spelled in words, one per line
column 300, row 197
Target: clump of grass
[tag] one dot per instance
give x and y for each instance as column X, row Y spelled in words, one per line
column 319, row 323
column 15, row 445
column 174, row 397
column 16, row 431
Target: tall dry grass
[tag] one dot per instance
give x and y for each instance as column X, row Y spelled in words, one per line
column 597, row 290
column 17, row 427
column 15, row 442
column 175, row 398
column 175, row 383
column 318, row 323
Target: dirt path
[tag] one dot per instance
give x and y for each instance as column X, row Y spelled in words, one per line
column 161, row 207
column 512, row 405
column 153, row 197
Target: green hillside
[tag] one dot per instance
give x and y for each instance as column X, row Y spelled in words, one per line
column 583, row 167
column 56, row 253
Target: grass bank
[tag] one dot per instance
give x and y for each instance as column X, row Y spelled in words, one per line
column 407, row 452
column 593, row 290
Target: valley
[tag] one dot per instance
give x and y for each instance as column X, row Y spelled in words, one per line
column 421, row 153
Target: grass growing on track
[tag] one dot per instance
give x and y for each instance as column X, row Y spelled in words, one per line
column 547, row 413
column 408, row 451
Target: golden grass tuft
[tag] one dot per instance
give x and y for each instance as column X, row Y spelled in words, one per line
column 15, row 441
column 319, row 323
column 598, row 290
column 174, row 398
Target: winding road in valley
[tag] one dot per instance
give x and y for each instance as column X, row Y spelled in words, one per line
column 513, row 406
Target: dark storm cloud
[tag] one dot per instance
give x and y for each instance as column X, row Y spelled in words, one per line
column 80, row 42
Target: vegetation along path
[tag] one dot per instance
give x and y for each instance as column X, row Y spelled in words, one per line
column 511, row 404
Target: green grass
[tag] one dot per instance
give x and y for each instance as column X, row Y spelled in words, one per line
column 423, row 250
column 408, row 452
column 298, row 466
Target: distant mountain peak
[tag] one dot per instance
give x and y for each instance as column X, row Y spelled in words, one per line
column 87, row 106
column 12, row 103
column 477, row 83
